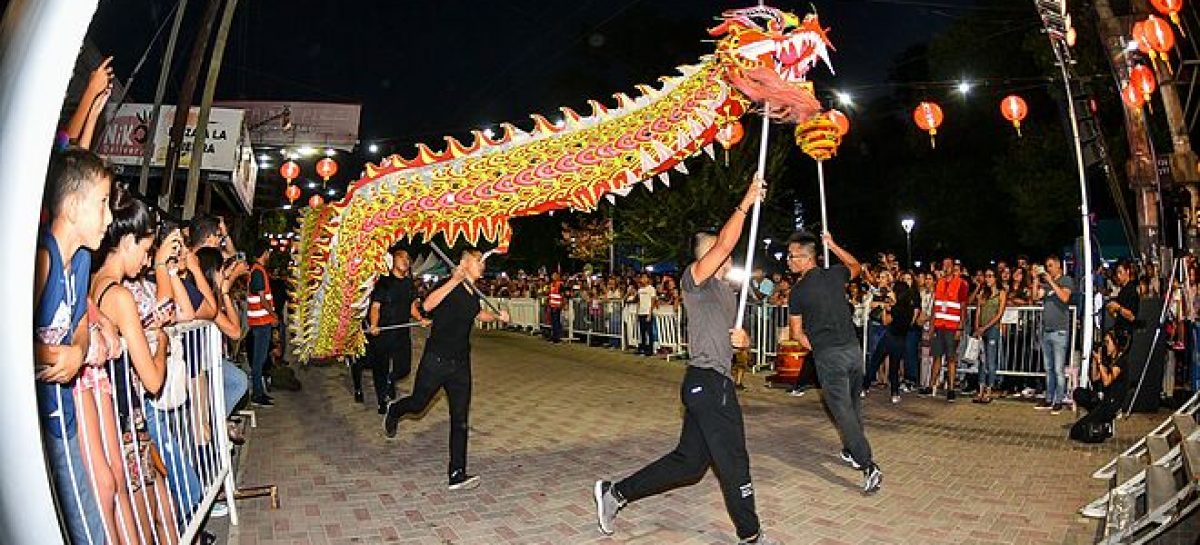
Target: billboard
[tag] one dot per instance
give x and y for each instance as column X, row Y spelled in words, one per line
column 286, row 123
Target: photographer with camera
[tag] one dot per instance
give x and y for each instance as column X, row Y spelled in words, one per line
column 1124, row 308
column 1103, row 400
column 1055, row 289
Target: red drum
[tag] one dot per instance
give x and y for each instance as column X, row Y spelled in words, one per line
column 789, row 362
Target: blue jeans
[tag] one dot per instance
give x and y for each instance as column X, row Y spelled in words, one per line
column 991, row 358
column 76, row 501
column 1054, row 357
column 235, row 384
column 260, row 346
column 912, row 347
column 182, row 478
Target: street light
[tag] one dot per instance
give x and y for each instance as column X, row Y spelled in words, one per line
column 907, row 224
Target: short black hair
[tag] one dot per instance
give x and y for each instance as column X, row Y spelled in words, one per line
column 72, row 172
column 257, row 248
column 805, row 239
column 202, row 227
column 129, row 217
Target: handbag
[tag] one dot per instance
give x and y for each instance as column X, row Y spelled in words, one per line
column 174, row 390
column 973, row 351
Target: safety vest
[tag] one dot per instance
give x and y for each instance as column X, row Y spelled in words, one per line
column 947, row 308
column 256, row 312
column 556, row 298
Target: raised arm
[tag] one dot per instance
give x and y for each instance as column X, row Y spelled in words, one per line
column 848, row 260
column 711, row 261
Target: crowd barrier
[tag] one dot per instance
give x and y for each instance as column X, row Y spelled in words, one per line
column 616, row 324
column 156, row 463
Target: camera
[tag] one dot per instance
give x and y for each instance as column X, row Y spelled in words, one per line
column 1039, row 270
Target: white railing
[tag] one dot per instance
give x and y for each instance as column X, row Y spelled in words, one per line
column 155, row 464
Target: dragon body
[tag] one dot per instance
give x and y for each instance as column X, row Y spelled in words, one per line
column 472, row 191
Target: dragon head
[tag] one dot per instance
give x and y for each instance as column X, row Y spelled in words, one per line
column 763, row 36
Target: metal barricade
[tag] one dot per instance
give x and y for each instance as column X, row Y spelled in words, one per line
column 523, row 313
column 154, row 464
column 600, row 319
column 669, row 332
column 1020, row 351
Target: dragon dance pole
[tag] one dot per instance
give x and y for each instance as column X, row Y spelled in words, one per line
column 750, row 246
column 824, row 218
column 450, row 264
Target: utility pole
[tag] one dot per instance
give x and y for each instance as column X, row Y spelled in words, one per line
column 179, row 124
column 210, row 88
column 163, row 73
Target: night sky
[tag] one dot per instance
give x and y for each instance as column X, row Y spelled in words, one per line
column 425, row 69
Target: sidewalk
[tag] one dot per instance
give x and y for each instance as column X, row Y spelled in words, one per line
column 549, row 419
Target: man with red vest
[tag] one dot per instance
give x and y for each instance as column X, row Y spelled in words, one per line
column 260, row 314
column 556, row 305
column 949, row 304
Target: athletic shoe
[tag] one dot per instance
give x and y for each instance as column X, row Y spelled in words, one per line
column 459, row 480
column 1043, row 406
column 607, row 506
column 795, row 392
column 862, row 394
column 849, row 459
column 1056, row 408
column 390, row 422
column 220, row 509
column 760, row 539
column 895, row 399
column 950, row 395
column 262, row 401
column 872, row 479
column 358, row 397
column 925, row 392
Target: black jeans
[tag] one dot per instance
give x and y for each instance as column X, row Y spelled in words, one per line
column 892, row 346
column 390, row 356
column 555, row 324
column 713, row 434
column 646, row 334
column 840, row 370
column 1098, row 410
column 437, row 372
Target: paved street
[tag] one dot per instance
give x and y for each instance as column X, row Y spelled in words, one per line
column 549, row 419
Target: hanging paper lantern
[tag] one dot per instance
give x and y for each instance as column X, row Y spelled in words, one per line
column 315, row 201
column 1014, row 109
column 290, row 171
column 1139, row 37
column 1143, row 79
column 292, row 193
column 731, row 134
column 840, row 119
column 1170, row 8
column 1158, row 34
column 928, row 117
column 326, row 168
column 1132, row 97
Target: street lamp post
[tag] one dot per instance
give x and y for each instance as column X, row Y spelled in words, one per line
column 907, row 224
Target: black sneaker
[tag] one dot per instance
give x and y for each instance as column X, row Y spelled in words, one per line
column 262, row 401
column 872, row 479
column 849, row 459
column 389, row 421
column 1043, row 406
column 1056, row 408
column 459, row 480
column 925, row 392
column 382, row 408
column 358, row 397
column 950, row 395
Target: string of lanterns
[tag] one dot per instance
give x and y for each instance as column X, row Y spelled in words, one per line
column 326, row 168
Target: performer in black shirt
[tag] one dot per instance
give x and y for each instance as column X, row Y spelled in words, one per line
column 389, row 351
column 453, row 306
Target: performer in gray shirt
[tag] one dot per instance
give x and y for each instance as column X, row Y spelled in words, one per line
column 713, row 432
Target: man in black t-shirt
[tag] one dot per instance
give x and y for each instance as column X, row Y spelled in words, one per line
column 819, row 320
column 453, row 306
column 1124, row 308
column 389, row 351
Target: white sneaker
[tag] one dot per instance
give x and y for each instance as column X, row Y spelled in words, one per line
column 219, row 510
column 895, row 399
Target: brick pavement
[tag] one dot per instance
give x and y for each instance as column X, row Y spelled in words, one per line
column 549, row 419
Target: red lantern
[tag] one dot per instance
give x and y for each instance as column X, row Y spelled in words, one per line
column 928, row 117
column 290, row 171
column 839, row 118
column 1170, row 8
column 1143, row 79
column 1139, row 36
column 731, row 134
column 326, row 168
column 1158, row 34
column 1014, row 109
column 315, row 201
column 292, row 193
column 1132, row 97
